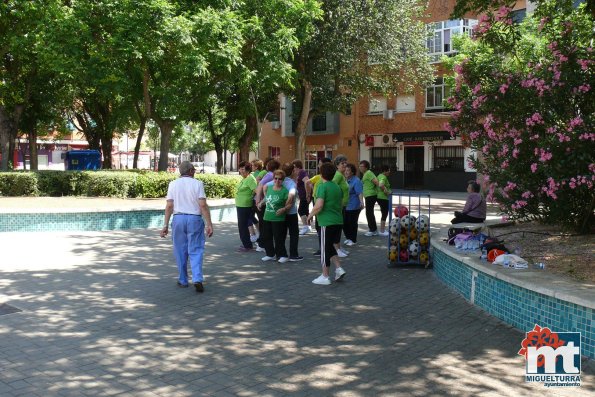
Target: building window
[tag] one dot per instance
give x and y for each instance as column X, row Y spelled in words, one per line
column 274, row 152
column 312, row 158
column 319, row 122
column 449, row 158
column 405, row 103
column 439, row 42
column 377, row 105
column 436, row 94
column 384, row 156
column 517, row 16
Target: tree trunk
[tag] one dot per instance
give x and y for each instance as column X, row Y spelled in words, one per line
column 34, row 165
column 106, row 148
column 166, row 127
column 302, row 125
column 139, row 138
column 246, row 139
column 8, row 132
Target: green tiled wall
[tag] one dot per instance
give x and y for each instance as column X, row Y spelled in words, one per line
column 517, row 306
column 94, row 221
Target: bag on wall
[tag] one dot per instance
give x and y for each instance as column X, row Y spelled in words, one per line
column 452, row 233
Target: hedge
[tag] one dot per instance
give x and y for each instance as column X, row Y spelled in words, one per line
column 123, row 184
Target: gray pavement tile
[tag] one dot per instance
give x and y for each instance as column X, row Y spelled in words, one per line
column 114, row 321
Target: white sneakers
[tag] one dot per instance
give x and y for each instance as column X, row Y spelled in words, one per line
column 259, row 248
column 283, row 259
column 349, row 243
column 370, row 234
column 383, row 234
column 304, row 230
column 254, row 238
column 342, row 253
column 268, row 258
column 322, row 280
column 339, row 274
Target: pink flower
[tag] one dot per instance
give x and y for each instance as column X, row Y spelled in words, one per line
column 527, row 194
column 503, row 88
column 476, row 89
column 478, row 101
column 510, row 186
column 544, row 155
column 584, row 63
column 534, row 120
column 534, row 167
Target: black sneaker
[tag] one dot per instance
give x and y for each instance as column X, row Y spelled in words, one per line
column 317, row 253
column 180, row 285
column 199, row 287
column 296, row 258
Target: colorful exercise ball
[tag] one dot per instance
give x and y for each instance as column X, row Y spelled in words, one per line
column 413, row 234
column 424, row 239
column 394, row 225
column 403, row 255
column 424, row 256
column 414, row 248
column 403, row 240
column 400, row 210
column 423, row 223
column 392, row 256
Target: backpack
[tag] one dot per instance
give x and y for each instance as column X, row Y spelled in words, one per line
column 452, row 233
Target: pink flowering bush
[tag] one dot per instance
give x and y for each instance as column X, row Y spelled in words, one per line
column 523, row 98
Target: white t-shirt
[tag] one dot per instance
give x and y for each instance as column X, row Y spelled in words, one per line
column 185, row 192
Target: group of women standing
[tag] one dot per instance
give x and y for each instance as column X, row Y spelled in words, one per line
column 337, row 194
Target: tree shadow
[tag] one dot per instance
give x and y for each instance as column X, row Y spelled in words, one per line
column 102, row 314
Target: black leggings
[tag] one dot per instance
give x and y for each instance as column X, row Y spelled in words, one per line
column 370, row 201
column 328, row 235
column 383, row 203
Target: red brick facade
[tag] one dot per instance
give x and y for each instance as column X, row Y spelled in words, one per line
column 414, row 163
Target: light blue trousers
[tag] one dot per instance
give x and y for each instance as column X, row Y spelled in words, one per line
column 188, row 236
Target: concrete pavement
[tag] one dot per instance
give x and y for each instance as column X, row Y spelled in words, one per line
column 102, row 316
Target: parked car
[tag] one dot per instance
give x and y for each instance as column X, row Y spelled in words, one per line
column 203, row 169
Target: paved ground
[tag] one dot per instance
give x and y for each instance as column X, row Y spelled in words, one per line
column 101, row 316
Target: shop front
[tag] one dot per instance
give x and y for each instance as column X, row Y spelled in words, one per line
column 50, row 156
column 420, row 160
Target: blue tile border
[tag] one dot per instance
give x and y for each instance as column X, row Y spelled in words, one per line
column 97, row 221
column 515, row 305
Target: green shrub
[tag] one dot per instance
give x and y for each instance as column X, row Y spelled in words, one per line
column 107, row 183
column 18, row 184
column 153, row 184
column 219, row 186
column 55, row 183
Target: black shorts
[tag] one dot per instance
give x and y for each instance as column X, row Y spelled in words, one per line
column 304, row 208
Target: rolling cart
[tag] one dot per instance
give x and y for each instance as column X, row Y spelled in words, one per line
column 409, row 229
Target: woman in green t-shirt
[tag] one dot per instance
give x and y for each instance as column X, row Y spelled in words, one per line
column 244, row 204
column 328, row 210
column 382, row 198
column 274, row 230
column 370, row 195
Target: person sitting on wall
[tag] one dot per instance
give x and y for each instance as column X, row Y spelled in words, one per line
column 475, row 206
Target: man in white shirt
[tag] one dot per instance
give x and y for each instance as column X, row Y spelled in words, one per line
column 187, row 201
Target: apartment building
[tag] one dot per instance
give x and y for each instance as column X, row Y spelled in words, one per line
column 405, row 132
